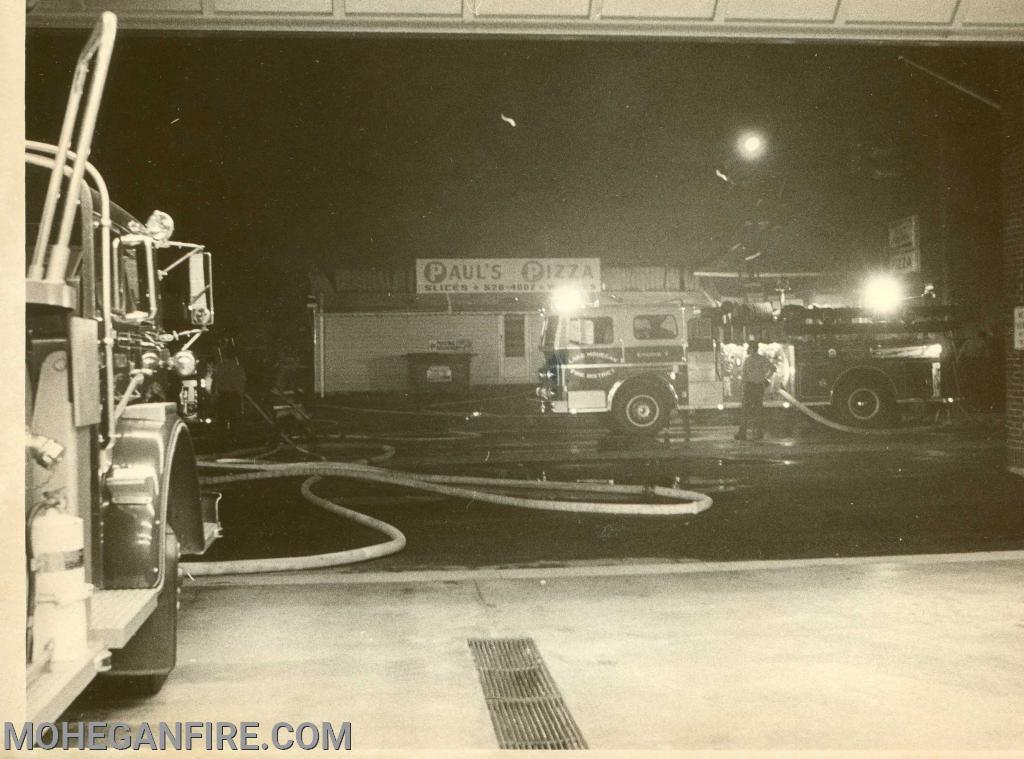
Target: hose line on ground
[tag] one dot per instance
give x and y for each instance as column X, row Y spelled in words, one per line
column 824, row 420
column 395, row 544
column 675, row 502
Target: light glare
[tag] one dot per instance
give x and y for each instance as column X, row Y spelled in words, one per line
column 751, row 146
column 567, row 298
column 882, row 293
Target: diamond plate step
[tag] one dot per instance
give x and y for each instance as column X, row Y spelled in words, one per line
column 116, row 615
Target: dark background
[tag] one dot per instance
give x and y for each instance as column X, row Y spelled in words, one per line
column 286, row 152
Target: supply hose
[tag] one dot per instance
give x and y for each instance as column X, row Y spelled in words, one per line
column 395, row 544
column 679, row 502
column 824, row 420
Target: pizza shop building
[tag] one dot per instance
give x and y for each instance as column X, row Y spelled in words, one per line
column 371, row 324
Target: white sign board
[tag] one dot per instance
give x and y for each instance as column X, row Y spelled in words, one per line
column 905, row 245
column 505, row 275
column 1018, row 328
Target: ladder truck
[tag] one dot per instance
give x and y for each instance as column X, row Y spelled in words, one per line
column 637, row 364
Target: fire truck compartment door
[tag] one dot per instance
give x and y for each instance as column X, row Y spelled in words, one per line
column 706, row 394
column 587, row 400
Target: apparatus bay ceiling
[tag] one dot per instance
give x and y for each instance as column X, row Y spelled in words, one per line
column 925, row 21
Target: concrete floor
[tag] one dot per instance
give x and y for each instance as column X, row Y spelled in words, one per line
column 921, row 653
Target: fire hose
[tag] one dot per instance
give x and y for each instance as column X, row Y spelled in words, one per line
column 824, row 420
column 674, row 502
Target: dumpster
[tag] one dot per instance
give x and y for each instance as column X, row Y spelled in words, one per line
column 437, row 372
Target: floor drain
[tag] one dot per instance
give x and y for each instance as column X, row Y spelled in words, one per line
column 527, row 710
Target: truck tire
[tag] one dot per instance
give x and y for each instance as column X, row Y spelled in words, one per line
column 152, row 651
column 865, row 402
column 641, row 408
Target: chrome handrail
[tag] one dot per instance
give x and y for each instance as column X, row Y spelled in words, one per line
column 100, row 45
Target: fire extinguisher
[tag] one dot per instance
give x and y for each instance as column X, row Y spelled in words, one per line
column 59, row 590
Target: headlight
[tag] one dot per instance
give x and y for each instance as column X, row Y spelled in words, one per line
column 184, row 363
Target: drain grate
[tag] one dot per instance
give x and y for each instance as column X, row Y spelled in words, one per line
column 527, row 710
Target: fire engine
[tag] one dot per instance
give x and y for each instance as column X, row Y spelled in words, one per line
column 112, row 493
column 637, row 364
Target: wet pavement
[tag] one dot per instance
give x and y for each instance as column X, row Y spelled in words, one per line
column 805, row 492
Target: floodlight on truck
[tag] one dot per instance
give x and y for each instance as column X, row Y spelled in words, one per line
column 882, row 293
column 567, row 299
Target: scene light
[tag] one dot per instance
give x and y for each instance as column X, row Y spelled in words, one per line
column 565, row 299
column 882, row 293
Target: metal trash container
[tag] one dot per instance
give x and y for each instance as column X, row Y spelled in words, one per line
column 438, row 373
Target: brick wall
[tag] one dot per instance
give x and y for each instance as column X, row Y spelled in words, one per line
column 1013, row 245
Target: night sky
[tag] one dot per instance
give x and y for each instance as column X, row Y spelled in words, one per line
column 282, row 153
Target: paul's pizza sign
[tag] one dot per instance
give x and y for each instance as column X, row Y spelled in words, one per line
column 505, row 275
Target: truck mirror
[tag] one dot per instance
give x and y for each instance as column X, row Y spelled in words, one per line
column 200, row 289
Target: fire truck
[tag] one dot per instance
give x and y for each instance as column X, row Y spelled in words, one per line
column 636, row 364
column 112, row 495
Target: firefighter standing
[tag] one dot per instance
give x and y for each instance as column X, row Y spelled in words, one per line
column 228, row 388
column 756, row 374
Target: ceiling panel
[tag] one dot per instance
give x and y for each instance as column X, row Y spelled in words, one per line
column 531, row 8
column 664, row 9
column 403, row 7
column 774, row 11
column 993, row 12
column 906, row 11
column 273, row 6
column 132, row 6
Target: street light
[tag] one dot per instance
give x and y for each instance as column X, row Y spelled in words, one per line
column 751, row 146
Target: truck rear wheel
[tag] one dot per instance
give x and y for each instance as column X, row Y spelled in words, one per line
column 641, row 409
column 865, row 402
column 152, row 651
